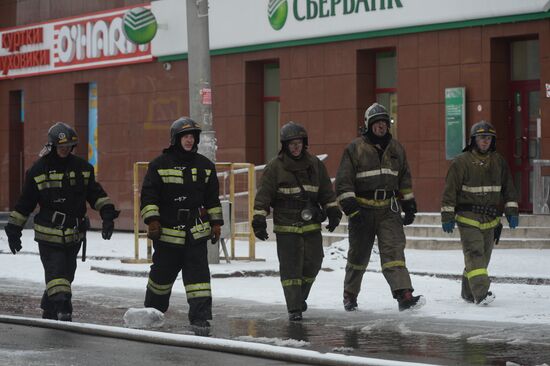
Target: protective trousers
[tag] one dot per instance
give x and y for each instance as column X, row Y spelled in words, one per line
column 477, row 246
column 300, row 259
column 387, row 226
column 192, row 260
column 59, row 269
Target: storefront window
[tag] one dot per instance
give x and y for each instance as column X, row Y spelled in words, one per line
column 386, row 84
column 525, row 60
column 386, row 66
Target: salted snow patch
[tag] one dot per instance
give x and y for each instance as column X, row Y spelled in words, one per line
column 275, row 341
column 143, row 318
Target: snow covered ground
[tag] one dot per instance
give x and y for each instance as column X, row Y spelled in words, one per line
column 516, row 303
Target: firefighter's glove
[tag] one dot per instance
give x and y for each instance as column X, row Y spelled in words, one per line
column 409, row 208
column 153, row 230
column 357, row 217
column 448, row 226
column 513, row 221
column 216, row 233
column 408, row 218
column 259, row 225
column 107, row 229
column 108, row 214
column 334, row 215
column 14, row 237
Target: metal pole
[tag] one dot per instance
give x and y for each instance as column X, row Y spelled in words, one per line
column 251, row 194
column 136, row 211
column 200, row 90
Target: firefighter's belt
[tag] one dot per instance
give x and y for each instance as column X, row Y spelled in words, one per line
column 378, row 194
column 294, row 204
column 62, row 220
column 489, row 210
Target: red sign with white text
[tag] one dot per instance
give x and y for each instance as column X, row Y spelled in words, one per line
column 77, row 43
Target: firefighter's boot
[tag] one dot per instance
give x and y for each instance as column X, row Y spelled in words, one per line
column 295, row 316
column 201, row 327
column 350, row 301
column 406, row 300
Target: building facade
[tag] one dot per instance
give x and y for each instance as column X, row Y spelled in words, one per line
column 317, row 62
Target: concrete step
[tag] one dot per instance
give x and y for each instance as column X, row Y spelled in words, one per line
column 528, row 220
column 436, row 231
column 445, row 243
column 519, row 232
column 441, row 243
column 426, row 233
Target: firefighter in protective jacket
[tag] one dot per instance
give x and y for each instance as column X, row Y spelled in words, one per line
column 181, row 206
column 477, row 183
column 373, row 184
column 61, row 184
column 297, row 186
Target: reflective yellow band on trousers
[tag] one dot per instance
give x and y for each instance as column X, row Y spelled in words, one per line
column 192, row 295
column 195, row 290
column 296, row 229
column 159, row 289
column 357, row 267
column 393, row 264
column 482, row 226
column 58, row 285
column 292, row 282
column 308, row 279
column 477, row 272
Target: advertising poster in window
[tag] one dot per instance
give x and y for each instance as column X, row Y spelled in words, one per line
column 455, row 121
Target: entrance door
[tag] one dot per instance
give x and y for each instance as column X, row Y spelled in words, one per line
column 525, row 128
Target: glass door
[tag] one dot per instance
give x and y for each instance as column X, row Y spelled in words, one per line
column 525, row 118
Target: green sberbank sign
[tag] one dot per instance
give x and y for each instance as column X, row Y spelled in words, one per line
column 139, row 25
column 303, row 10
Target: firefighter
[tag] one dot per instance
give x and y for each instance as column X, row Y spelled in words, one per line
column 297, row 186
column 60, row 183
column 477, row 183
column 181, row 207
column 373, row 184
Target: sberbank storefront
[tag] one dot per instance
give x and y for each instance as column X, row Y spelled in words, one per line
column 438, row 65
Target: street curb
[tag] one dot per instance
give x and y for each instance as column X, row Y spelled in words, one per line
column 235, row 274
column 505, row 279
column 270, row 273
column 212, row 344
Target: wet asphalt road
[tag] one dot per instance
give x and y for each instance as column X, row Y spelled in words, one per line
column 32, row 346
column 393, row 336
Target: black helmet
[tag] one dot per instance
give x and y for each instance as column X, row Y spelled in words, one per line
column 61, row 134
column 376, row 112
column 183, row 126
column 293, row 131
column 483, row 128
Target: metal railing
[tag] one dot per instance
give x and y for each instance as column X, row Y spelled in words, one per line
column 541, row 187
column 239, row 192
